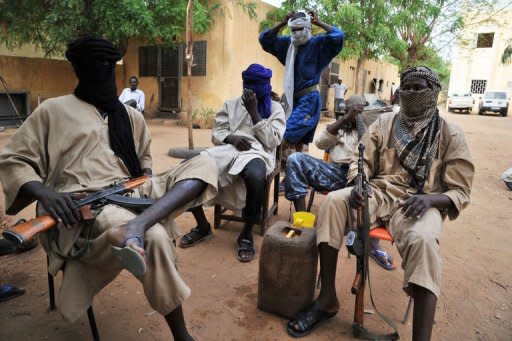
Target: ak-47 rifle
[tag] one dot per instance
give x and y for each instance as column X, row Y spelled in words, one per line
column 358, row 244
column 25, row 232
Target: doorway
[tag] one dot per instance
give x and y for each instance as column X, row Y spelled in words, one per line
column 169, row 79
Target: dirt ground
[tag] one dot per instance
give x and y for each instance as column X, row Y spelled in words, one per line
column 475, row 302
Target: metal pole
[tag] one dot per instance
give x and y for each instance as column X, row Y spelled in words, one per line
column 189, row 57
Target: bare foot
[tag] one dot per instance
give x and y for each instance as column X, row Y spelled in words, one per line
column 126, row 236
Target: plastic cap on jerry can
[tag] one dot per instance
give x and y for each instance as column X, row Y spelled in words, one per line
column 304, row 219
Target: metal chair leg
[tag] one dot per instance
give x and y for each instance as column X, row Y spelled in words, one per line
column 216, row 217
column 51, row 287
column 311, row 198
column 407, row 311
column 92, row 323
column 276, row 192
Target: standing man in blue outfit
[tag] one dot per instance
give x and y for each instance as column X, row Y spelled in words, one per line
column 304, row 57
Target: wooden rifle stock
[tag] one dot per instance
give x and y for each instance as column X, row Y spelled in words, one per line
column 25, row 232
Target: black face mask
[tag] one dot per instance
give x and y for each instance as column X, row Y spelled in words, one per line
column 97, row 86
column 97, row 83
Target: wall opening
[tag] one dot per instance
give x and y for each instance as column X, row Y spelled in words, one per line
column 484, row 40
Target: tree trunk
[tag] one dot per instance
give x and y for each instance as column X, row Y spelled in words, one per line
column 358, row 88
column 412, row 56
column 89, row 25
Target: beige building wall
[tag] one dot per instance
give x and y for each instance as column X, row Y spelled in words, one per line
column 374, row 69
column 472, row 63
column 232, row 45
column 25, row 69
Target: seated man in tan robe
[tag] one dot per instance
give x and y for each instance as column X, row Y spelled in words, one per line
column 420, row 172
column 247, row 131
column 340, row 139
column 84, row 142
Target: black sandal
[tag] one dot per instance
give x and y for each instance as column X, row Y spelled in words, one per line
column 246, row 246
column 307, row 321
column 194, row 237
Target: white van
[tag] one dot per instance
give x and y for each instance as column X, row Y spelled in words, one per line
column 495, row 101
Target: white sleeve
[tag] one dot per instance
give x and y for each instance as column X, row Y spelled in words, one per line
column 122, row 97
column 142, row 100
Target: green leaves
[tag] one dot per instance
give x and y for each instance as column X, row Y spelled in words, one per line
column 51, row 24
column 506, row 57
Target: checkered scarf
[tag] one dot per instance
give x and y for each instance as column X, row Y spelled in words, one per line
column 417, row 130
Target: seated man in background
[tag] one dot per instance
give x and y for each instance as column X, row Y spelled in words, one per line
column 247, row 131
column 340, row 139
column 132, row 96
column 84, row 142
column 420, row 172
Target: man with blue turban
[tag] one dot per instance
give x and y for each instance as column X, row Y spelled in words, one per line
column 304, row 57
column 247, row 131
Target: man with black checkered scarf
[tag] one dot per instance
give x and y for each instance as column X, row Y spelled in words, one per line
column 420, row 172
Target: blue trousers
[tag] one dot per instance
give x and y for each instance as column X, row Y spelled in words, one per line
column 304, row 171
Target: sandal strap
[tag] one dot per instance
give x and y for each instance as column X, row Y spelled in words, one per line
column 190, row 236
column 139, row 239
column 245, row 245
column 307, row 320
column 383, row 254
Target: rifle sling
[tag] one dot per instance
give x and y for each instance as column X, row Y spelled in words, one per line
column 363, row 333
column 135, row 204
column 86, row 233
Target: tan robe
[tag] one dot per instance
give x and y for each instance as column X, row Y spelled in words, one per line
column 265, row 136
column 417, row 240
column 65, row 145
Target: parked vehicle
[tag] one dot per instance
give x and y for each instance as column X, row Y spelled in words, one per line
column 373, row 105
column 461, row 102
column 495, row 101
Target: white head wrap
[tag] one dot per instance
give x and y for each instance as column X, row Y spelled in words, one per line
column 298, row 38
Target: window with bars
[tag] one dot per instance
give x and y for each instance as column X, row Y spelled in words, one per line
column 334, row 71
column 199, row 68
column 484, row 40
column 478, row 86
column 148, row 61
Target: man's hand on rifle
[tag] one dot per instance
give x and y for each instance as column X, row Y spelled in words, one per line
column 356, row 199
column 59, row 205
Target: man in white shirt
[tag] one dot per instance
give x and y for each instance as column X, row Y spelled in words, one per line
column 339, row 93
column 132, row 96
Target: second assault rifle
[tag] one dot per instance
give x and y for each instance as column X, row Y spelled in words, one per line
column 24, row 232
column 358, row 244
